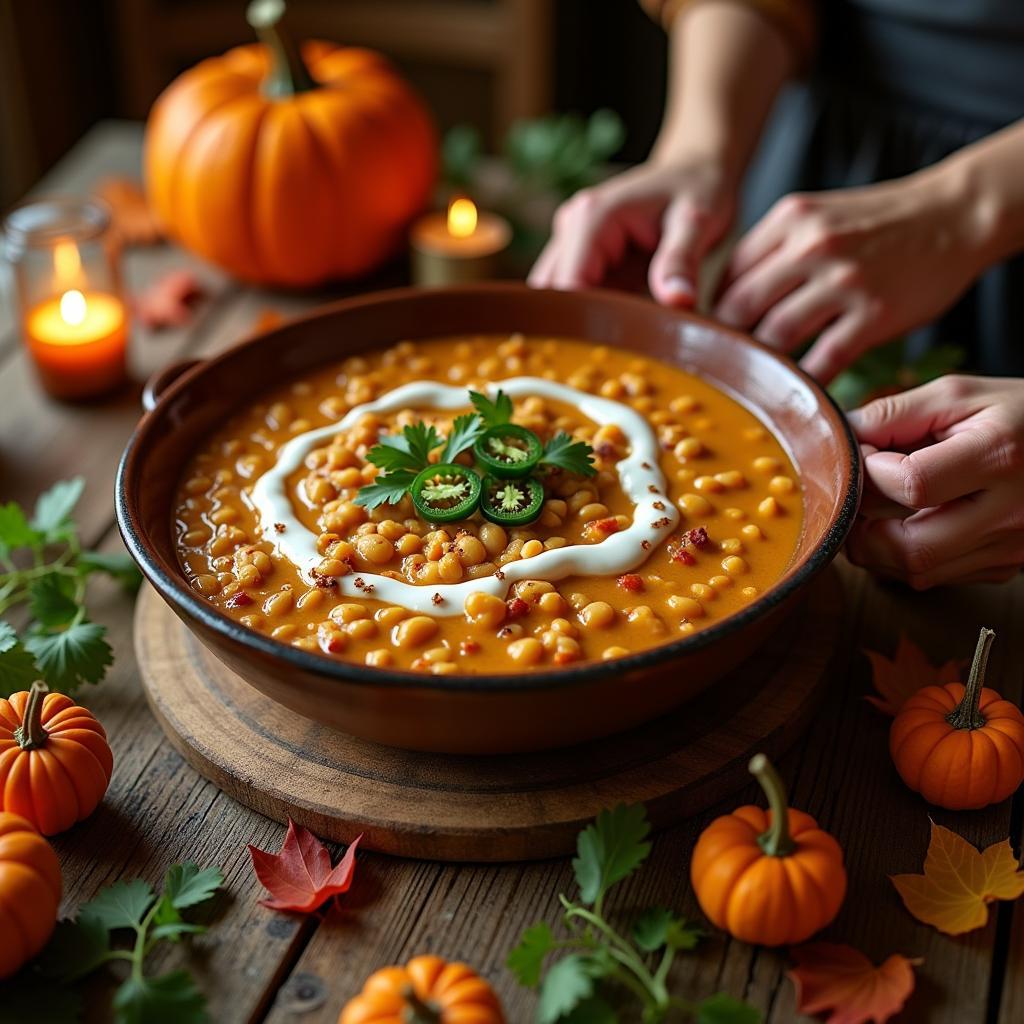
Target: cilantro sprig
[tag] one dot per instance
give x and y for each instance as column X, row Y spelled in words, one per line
column 43, row 566
column 83, row 945
column 599, row 955
column 562, row 452
column 492, row 414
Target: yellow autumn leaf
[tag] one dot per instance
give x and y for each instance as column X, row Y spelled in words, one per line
column 958, row 882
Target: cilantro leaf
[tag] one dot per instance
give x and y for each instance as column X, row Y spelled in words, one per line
column 609, row 849
column 15, row 531
column 76, row 655
column 565, row 986
column 658, row 926
column 493, row 414
column 39, row 1002
column 118, row 565
column 168, row 999
column 392, row 455
column 172, row 931
column 52, row 516
column 52, row 600
column 723, row 1009
column 17, row 667
column 389, row 488
column 186, row 885
column 422, row 441
column 76, row 948
column 465, row 430
column 526, row 960
column 121, row 905
column 565, row 453
column 591, row 1011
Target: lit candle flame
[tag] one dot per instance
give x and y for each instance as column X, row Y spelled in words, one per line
column 461, row 218
column 72, row 307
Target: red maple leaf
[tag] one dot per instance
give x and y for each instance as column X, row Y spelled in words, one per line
column 900, row 677
column 300, row 877
column 169, row 300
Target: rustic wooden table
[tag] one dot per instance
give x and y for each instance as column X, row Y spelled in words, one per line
column 256, row 965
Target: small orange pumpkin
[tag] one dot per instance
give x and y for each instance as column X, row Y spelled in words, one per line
column 30, row 888
column 427, row 990
column 289, row 169
column 960, row 747
column 768, row 877
column 55, row 763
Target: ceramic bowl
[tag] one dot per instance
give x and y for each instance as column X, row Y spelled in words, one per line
column 487, row 713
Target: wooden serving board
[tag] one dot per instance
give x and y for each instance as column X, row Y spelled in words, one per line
column 503, row 808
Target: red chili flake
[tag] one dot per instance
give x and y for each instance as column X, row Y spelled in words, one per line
column 469, row 647
column 437, row 599
column 660, row 524
column 698, row 537
column 645, row 465
column 652, row 488
column 610, row 525
column 322, row 581
column 517, row 608
column 239, row 600
column 631, row 582
column 280, row 527
column 499, row 575
column 646, row 545
column 683, row 556
column 659, row 505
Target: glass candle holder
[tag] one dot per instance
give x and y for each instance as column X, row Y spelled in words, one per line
column 67, row 276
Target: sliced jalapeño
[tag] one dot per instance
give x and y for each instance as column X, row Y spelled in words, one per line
column 508, row 451
column 511, row 502
column 446, row 493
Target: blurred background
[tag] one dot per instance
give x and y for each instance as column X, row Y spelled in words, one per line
column 66, row 64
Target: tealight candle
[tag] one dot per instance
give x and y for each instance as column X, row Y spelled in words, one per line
column 459, row 245
column 73, row 318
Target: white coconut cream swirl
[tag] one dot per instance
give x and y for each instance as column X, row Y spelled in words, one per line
column 654, row 515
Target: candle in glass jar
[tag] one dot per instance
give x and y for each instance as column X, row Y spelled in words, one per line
column 78, row 342
column 460, row 245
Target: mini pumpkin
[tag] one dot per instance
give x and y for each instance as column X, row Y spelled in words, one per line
column 427, row 990
column 768, row 877
column 960, row 747
column 30, row 888
column 55, row 763
column 286, row 167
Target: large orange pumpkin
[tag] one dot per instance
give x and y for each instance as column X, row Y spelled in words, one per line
column 768, row 877
column 427, row 990
column 960, row 747
column 287, row 169
column 30, row 887
column 55, row 763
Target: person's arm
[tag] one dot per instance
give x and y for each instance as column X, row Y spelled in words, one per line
column 728, row 62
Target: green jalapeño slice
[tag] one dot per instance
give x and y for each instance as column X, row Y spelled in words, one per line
column 446, row 493
column 512, row 502
column 508, row 451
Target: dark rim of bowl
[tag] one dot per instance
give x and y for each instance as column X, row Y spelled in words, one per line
column 174, row 589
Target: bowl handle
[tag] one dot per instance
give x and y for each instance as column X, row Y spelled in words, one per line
column 160, row 381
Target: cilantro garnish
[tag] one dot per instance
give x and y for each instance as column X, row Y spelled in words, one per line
column 43, row 566
column 599, row 956
column 83, row 945
column 562, row 452
column 493, row 414
column 465, row 430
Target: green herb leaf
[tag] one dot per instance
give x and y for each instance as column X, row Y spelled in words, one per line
column 723, row 1009
column 392, row 455
column 186, row 885
column 465, row 430
column 17, row 666
column 168, row 999
column 572, row 456
column 564, row 987
column 52, row 600
column 118, row 565
column 77, row 655
column 610, row 849
column 527, row 959
column 39, row 1002
column 52, row 516
column 76, row 948
column 172, row 931
column 493, row 414
column 390, row 488
column 15, row 531
column 591, row 1011
column 658, row 926
column 121, row 905
column 422, row 440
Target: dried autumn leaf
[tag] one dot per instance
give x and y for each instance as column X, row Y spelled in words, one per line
column 133, row 219
column 901, row 676
column 843, row 982
column 958, row 882
column 169, row 300
column 300, row 877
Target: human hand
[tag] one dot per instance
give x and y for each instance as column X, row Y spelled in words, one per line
column 859, row 265
column 678, row 211
column 952, row 510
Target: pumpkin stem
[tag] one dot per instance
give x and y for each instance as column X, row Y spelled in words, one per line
column 966, row 714
column 31, row 735
column 776, row 842
column 288, row 72
column 416, row 1010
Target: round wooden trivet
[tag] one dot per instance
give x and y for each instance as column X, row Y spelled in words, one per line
column 503, row 808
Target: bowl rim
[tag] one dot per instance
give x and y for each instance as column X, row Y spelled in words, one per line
column 175, row 591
